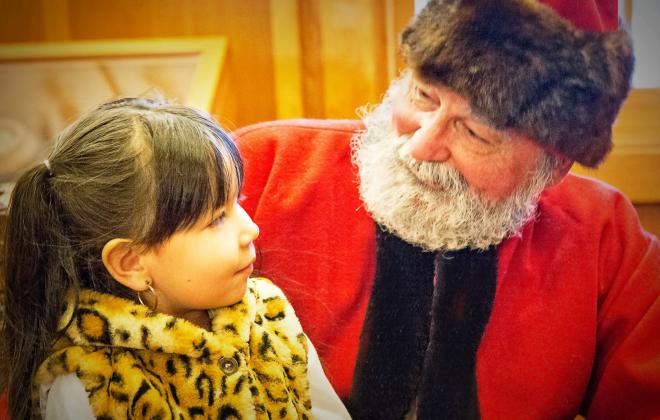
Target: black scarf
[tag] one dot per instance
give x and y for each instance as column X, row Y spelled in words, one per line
column 396, row 361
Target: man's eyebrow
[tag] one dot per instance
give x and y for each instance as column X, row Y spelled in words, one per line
column 480, row 118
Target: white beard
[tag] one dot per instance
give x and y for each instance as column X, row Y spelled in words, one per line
column 429, row 204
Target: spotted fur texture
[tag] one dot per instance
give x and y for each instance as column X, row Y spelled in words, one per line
column 524, row 67
column 135, row 363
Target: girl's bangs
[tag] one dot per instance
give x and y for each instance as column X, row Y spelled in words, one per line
column 196, row 171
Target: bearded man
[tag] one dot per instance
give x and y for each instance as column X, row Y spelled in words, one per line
column 440, row 255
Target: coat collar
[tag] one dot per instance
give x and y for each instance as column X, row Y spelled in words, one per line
column 99, row 319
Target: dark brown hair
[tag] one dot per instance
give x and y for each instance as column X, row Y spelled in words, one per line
column 134, row 168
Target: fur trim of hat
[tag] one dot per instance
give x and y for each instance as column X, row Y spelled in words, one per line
column 524, row 67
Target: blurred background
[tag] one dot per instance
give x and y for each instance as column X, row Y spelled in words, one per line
column 247, row 61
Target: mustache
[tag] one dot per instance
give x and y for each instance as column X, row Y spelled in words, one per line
column 435, row 174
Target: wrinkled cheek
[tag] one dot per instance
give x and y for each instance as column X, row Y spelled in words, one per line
column 402, row 118
column 478, row 182
column 492, row 191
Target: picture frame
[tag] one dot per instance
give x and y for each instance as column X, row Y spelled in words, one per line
column 45, row 85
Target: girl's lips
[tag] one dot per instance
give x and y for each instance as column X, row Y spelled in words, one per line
column 247, row 268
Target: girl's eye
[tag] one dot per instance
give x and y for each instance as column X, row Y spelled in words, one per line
column 217, row 221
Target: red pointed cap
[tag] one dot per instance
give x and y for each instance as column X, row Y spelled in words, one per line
column 592, row 15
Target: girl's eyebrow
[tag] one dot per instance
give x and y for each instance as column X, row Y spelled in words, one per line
column 220, row 207
column 208, row 216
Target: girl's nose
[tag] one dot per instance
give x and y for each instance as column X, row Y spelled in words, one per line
column 249, row 230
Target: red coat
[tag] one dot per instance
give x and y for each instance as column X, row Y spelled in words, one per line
column 575, row 325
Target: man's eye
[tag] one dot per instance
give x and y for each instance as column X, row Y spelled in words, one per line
column 472, row 134
column 421, row 94
column 474, row 142
column 421, row 99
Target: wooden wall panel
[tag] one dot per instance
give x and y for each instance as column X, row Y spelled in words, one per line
column 634, row 163
column 649, row 215
column 308, row 58
column 246, row 92
column 21, row 21
column 312, row 92
column 286, row 36
column 286, row 58
column 344, row 56
column 352, row 36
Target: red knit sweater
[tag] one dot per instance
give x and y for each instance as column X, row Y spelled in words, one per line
column 576, row 318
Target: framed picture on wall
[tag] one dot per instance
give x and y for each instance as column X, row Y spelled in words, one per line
column 44, row 86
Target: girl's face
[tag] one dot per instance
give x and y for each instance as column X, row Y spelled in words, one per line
column 205, row 266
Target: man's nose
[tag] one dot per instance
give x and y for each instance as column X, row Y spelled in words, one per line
column 430, row 135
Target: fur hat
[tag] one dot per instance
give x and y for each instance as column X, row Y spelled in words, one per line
column 553, row 72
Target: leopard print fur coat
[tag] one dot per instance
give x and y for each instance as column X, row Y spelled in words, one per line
column 135, row 363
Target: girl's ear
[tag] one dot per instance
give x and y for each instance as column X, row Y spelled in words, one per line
column 124, row 263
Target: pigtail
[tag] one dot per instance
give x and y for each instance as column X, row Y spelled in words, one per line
column 131, row 151
column 39, row 269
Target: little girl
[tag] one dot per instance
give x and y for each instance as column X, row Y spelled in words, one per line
column 128, row 292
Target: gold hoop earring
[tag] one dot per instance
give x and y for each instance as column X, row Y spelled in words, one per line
column 153, row 292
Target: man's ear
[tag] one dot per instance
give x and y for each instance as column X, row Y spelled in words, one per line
column 124, row 264
column 559, row 173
